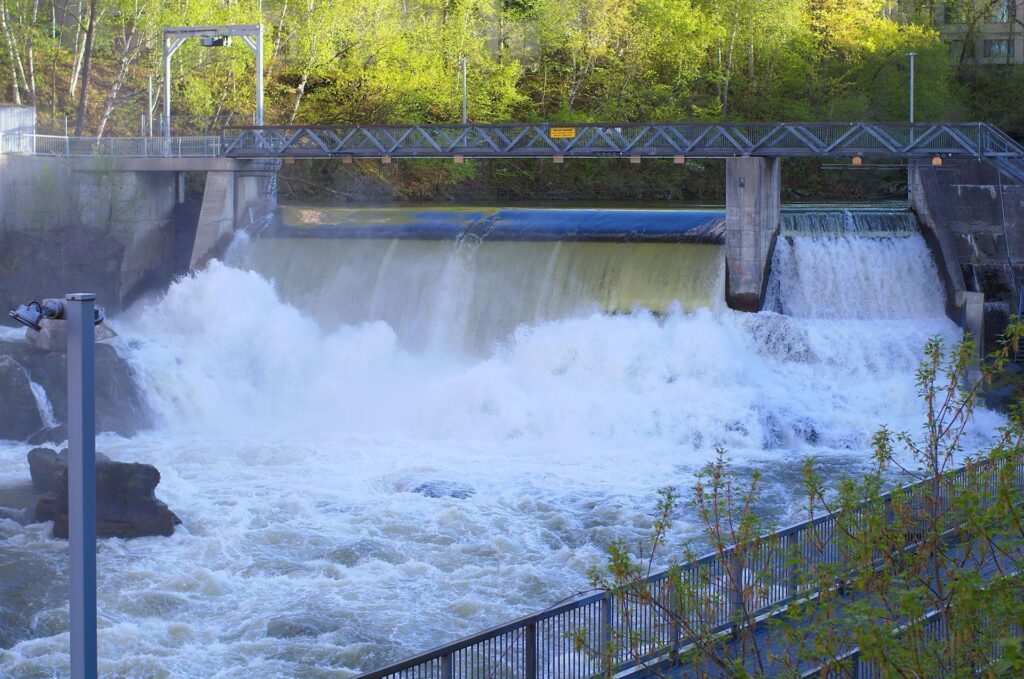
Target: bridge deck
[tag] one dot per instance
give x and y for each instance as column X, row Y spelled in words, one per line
column 647, row 140
column 911, row 142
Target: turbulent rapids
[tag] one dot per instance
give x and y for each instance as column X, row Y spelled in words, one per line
column 378, row 442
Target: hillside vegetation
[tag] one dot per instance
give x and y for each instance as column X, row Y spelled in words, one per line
column 86, row 62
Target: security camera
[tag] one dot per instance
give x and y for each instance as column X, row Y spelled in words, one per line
column 32, row 314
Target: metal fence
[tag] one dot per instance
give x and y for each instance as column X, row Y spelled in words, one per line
column 884, row 140
column 572, row 640
column 119, row 147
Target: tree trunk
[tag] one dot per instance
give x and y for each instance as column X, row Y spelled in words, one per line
column 76, row 66
column 31, row 55
column 12, row 48
column 83, row 97
column 15, row 87
column 298, row 96
column 127, row 57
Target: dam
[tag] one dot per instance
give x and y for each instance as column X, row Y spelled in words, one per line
column 387, row 428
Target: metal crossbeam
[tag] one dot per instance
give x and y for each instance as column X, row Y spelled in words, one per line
column 655, row 140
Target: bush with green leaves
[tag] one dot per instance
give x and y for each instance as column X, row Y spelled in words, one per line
column 909, row 570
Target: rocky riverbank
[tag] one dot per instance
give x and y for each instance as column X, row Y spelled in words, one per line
column 33, row 382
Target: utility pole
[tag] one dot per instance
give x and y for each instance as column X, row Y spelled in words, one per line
column 149, row 106
column 465, row 118
column 911, row 55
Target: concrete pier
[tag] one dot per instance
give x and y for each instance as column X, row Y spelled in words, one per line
column 752, row 217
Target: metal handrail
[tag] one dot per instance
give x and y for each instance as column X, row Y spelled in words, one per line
column 882, row 140
column 981, row 141
column 511, row 649
column 117, row 147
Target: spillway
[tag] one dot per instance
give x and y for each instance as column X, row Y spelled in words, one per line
column 379, row 442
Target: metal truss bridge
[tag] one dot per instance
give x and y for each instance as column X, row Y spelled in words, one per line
column 922, row 141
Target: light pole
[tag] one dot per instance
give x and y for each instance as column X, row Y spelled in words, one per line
column 465, row 118
column 81, row 314
column 911, row 55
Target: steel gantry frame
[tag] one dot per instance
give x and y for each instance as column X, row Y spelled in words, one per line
column 633, row 140
column 174, row 38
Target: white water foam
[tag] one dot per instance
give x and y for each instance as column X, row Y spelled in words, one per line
column 304, row 462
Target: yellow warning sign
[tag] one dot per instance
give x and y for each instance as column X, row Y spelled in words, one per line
column 563, row 132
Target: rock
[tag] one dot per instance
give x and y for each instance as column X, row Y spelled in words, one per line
column 46, row 466
column 126, row 506
column 438, row 489
column 120, row 407
column 53, row 335
column 286, row 628
column 55, row 434
column 19, row 414
column 42, row 462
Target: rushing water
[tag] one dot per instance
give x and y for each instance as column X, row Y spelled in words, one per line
column 378, row 446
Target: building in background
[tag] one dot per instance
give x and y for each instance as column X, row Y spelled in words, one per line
column 984, row 32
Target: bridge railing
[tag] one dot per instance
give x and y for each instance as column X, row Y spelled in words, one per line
column 119, row 147
column 643, row 625
column 888, row 140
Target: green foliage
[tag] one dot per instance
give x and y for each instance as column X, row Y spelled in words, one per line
column 398, row 60
column 923, row 580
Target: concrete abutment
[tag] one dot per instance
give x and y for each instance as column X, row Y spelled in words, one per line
column 111, row 226
column 973, row 220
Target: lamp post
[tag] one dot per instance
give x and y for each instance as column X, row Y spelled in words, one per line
column 81, row 315
column 465, row 118
column 911, row 55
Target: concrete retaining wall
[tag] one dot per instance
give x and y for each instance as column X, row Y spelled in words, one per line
column 63, row 230
column 111, row 228
column 973, row 220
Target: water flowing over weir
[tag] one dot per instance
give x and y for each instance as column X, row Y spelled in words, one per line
column 379, row 444
column 467, row 284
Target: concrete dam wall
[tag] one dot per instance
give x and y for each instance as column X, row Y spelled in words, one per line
column 118, row 228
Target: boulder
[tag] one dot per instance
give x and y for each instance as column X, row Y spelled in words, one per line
column 120, row 407
column 46, row 466
column 126, row 506
column 19, row 415
column 53, row 335
column 439, row 489
column 55, row 434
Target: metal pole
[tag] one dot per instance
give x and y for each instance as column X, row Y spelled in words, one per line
column 167, row 87
column 465, row 117
column 80, row 315
column 259, row 75
column 911, row 55
column 149, row 106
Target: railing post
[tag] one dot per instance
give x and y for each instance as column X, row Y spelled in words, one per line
column 735, row 582
column 675, row 609
column 792, row 547
column 606, row 632
column 530, row 656
column 446, row 666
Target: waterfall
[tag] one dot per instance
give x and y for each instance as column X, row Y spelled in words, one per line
column 378, row 444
